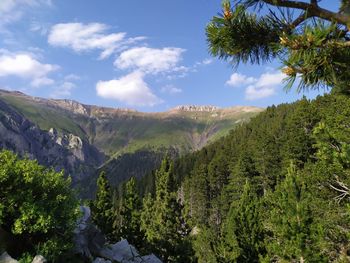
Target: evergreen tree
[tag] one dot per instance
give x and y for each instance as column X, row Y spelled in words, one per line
column 206, row 245
column 297, row 235
column 162, row 220
column 130, row 215
column 313, row 44
column 102, row 206
column 243, row 231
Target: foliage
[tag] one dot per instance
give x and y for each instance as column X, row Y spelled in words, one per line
column 244, row 233
column 296, row 233
column 38, row 208
column 162, row 220
column 102, row 206
column 314, row 136
column 240, row 199
column 313, row 45
column 130, row 214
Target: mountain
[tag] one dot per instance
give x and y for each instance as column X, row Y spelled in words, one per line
column 249, row 193
column 84, row 139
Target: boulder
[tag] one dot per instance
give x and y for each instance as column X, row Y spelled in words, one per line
column 87, row 238
column 121, row 251
column 101, row 260
column 39, row 259
column 6, row 258
column 150, row 259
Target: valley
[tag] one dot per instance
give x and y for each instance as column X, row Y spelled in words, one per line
column 84, row 139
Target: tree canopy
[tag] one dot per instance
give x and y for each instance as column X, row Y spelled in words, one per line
column 38, row 209
column 311, row 42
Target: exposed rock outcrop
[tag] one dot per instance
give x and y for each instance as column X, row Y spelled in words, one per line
column 39, row 259
column 76, row 137
column 87, row 238
column 6, row 258
column 201, row 108
column 61, row 151
column 90, row 243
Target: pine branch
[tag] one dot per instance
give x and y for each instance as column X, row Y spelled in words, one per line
column 312, row 9
column 342, row 189
column 300, row 19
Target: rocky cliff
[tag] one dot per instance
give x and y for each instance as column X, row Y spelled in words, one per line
column 62, row 151
column 85, row 139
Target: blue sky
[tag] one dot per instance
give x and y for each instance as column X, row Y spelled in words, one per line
column 150, row 55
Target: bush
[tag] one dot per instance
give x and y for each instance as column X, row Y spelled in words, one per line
column 38, row 209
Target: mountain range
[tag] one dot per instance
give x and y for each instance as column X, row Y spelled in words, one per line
column 85, row 139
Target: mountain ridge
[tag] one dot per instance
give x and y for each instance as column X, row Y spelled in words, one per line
column 84, row 109
column 77, row 132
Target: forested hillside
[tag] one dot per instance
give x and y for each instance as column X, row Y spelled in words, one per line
column 84, row 139
column 274, row 185
column 275, row 188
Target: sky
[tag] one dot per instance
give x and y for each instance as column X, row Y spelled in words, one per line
column 149, row 55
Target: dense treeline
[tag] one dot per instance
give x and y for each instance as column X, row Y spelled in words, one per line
column 274, row 190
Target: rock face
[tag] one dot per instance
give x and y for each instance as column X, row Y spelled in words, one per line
column 90, row 243
column 87, row 238
column 202, row 108
column 39, row 259
column 85, row 139
column 66, row 151
column 6, row 258
column 122, row 251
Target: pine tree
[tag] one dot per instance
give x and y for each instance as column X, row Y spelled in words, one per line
column 130, row 215
column 313, row 45
column 162, row 220
column 102, row 206
column 297, row 235
column 243, row 231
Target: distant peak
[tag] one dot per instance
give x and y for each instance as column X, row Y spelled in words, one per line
column 204, row 108
column 71, row 105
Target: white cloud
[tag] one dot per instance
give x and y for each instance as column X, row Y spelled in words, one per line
column 170, row 89
column 64, row 90
column 265, row 86
column 130, row 89
column 72, row 77
column 41, row 28
column 13, row 10
column 207, row 61
column 254, row 93
column 151, row 60
column 257, row 88
column 86, row 37
column 42, row 81
column 25, row 65
column 239, row 80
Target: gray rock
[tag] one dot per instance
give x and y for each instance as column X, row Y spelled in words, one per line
column 150, row 259
column 121, row 251
column 39, row 259
column 58, row 150
column 6, row 258
column 87, row 238
column 101, row 260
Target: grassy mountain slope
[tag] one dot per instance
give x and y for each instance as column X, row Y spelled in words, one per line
column 128, row 143
column 117, row 131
